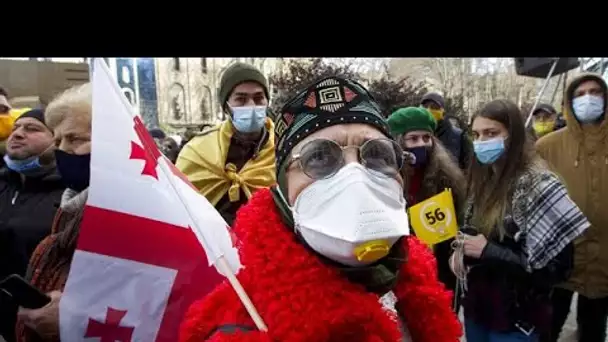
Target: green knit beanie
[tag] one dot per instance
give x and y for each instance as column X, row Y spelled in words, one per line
column 237, row 74
column 410, row 119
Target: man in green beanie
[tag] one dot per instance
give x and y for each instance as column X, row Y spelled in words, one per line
column 231, row 161
column 431, row 171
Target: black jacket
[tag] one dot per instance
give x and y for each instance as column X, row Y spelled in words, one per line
column 502, row 293
column 27, row 210
column 456, row 141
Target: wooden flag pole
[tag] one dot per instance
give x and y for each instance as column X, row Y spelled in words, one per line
column 224, row 268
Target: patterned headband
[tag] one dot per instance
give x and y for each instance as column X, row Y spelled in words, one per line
column 327, row 102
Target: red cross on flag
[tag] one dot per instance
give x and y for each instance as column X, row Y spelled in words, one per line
column 148, row 241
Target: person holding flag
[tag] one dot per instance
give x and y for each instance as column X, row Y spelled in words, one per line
column 132, row 235
column 431, row 172
column 322, row 247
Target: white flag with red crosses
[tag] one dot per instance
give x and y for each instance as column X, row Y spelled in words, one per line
column 148, row 239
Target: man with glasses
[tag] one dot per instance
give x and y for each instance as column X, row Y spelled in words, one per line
column 231, row 161
column 322, row 246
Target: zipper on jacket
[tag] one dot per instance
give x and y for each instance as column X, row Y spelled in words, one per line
column 15, row 197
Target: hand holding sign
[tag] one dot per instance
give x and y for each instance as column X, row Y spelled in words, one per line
column 434, row 220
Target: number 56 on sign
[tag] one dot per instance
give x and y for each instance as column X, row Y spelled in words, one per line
column 434, row 220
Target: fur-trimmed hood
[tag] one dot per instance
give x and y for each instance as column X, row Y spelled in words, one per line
column 300, row 298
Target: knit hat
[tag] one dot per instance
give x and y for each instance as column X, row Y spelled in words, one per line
column 411, row 119
column 237, row 74
column 327, row 102
column 543, row 107
column 37, row 114
column 435, row 97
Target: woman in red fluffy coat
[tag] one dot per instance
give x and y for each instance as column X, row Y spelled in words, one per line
column 321, row 248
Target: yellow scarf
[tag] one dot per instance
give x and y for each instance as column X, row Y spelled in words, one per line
column 203, row 160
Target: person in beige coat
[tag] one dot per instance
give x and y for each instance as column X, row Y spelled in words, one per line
column 579, row 154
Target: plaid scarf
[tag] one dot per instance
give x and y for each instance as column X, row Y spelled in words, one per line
column 548, row 220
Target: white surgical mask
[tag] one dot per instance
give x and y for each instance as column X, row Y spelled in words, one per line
column 248, row 119
column 588, row 108
column 353, row 217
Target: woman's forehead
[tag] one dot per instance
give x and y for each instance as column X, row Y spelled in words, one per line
column 346, row 134
column 73, row 124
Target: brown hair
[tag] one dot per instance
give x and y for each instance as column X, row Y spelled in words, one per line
column 491, row 186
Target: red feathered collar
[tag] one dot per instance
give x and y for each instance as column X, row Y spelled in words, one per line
column 302, row 299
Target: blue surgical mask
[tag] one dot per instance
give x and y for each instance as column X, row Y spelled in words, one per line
column 26, row 166
column 488, row 152
column 248, row 119
column 588, row 108
column 74, row 169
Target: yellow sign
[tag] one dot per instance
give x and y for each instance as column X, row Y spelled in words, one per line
column 434, row 220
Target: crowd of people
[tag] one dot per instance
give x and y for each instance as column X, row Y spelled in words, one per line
column 318, row 198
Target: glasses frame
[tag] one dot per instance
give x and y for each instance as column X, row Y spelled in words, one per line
column 399, row 155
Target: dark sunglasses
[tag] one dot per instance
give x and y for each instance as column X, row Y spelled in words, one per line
column 323, row 158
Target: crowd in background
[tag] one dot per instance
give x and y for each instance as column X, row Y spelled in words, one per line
column 300, row 190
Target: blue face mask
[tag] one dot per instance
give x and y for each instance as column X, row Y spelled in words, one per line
column 488, row 152
column 75, row 170
column 26, row 166
column 422, row 155
column 248, row 119
column 588, row 108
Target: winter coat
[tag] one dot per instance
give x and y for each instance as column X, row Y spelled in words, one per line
column 580, row 156
column 26, row 214
column 302, row 298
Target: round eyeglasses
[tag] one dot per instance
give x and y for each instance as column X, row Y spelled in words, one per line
column 322, row 158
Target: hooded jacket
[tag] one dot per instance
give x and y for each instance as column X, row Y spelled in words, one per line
column 580, row 156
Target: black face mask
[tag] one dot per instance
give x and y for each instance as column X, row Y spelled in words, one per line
column 75, row 170
column 422, row 155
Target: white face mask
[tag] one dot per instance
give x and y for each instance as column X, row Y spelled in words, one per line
column 588, row 108
column 248, row 119
column 353, row 217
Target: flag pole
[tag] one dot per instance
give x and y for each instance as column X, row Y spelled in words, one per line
column 220, row 263
column 240, row 292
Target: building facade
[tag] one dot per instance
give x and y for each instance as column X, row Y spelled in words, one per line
column 137, row 80
column 34, row 82
column 188, row 87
